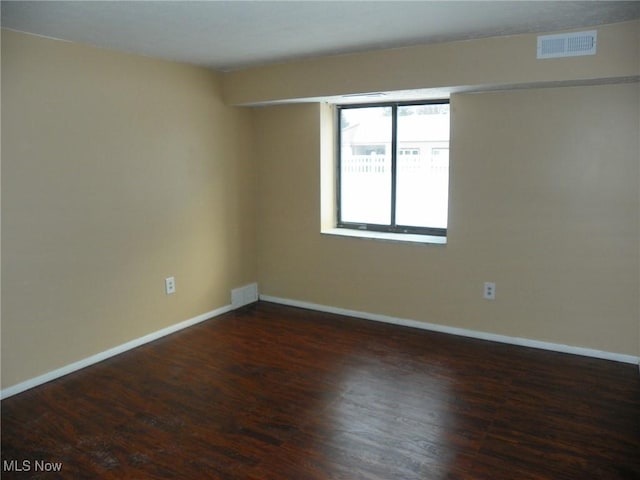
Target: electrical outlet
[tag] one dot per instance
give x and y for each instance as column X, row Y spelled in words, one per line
column 489, row 291
column 170, row 285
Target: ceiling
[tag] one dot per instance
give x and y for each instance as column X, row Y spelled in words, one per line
column 231, row 35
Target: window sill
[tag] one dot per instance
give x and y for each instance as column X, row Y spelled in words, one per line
column 385, row 236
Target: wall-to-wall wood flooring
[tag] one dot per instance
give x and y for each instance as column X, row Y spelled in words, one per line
column 273, row 392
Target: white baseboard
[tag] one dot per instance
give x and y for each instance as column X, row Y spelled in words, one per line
column 86, row 362
column 93, row 359
column 525, row 342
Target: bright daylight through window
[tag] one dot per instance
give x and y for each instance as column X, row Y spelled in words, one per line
column 393, row 167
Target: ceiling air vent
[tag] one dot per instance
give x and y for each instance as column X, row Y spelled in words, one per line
column 567, row 44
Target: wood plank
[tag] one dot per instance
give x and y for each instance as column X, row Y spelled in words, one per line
column 274, row 392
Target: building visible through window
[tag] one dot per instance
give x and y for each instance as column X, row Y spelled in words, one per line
column 394, row 167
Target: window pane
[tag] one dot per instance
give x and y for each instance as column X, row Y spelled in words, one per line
column 422, row 180
column 365, row 165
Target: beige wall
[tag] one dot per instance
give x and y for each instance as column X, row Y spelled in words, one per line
column 543, row 201
column 117, row 171
column 477, row 64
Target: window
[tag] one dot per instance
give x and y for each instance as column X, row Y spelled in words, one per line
column 393, row 167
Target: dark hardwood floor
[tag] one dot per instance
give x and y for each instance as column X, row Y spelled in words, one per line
column 272, row 392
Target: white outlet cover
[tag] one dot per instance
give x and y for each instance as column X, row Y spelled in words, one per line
column 489, row 292
column 170, row 285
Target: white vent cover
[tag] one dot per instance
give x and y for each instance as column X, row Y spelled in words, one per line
column 242, row 296
column 567, row 44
